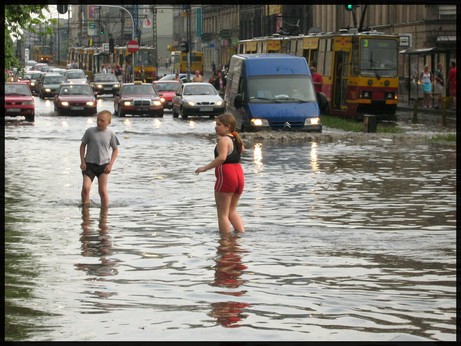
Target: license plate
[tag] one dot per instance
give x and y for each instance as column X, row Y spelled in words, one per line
column 141, row 109
column 77, row 108
column 206, row 109
column 15, row 110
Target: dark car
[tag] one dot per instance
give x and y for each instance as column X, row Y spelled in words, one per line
column 19, row 101
column 138, row 99
column 75, row 99
column 49, row 83
column 105, row 83
column 167, row 90
column 197, row 99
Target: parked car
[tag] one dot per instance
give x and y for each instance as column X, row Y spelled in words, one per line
column 197, row 99
column 75, row 99
column 138, row 98
column 167, row 90
column 105, row 83
column 48, row 84
column 76, row 76
column 182, row 77
column 19, row 101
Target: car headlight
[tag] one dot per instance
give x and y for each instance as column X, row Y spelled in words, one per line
column 64, row 103
column 90, row 103
column 190, row 103
column 162, row 99
column 259, row 122
column 312, row 121
column 219, row 103
column 47, row 90
column 99, row 86
column 127, row 103
column 156, row 102
column 116, row 85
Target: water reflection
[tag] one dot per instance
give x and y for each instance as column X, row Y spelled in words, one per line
column 96, row 244
column 228, row 272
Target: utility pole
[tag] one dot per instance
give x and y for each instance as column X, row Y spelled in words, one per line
column 155, row 38
column 189, row 40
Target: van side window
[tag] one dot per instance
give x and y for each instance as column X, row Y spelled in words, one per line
column 241, row 89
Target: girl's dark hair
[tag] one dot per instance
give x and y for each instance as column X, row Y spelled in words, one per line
column 228, row 119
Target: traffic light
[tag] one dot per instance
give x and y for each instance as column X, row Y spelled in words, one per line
column 111, row 45
column 101, row 30
column 185, row 47
column 349, row 7
column 62, row 9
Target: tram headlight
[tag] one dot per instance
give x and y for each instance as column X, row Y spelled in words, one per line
column 387, row 83
column 390, row 96
column 370, row 82
column 365, row 94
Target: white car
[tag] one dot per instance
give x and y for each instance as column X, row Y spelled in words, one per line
column 197, row 99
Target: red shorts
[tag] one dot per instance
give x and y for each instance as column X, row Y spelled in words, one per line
column 229, row 178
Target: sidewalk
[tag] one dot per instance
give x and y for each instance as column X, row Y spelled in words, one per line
column 405, row 107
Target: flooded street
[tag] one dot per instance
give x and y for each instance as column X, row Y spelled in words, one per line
column 345, row 239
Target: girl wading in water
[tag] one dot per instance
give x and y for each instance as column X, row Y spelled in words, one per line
column 229, row 173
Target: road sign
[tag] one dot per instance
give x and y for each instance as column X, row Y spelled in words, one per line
column 132, row 46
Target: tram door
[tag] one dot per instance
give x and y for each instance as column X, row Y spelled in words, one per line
column 341, row 71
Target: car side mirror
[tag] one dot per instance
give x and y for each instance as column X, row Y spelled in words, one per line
column 238, row 102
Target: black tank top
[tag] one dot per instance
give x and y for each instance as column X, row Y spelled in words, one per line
column 234, row 156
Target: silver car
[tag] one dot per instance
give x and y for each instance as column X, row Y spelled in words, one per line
column 197, row 99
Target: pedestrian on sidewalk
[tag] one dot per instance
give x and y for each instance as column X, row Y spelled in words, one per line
column 438, row 85
column 451, row 79
column 426, row 81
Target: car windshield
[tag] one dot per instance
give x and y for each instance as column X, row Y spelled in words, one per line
column 53, row 80
column 76, row 90
column 281, row 89
column 199, row 90
column 105, row 78
column 167, row 86
column 138, row 90
column 17, row 90
column 75, row 75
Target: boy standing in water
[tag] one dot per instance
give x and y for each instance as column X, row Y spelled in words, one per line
column 98, row 160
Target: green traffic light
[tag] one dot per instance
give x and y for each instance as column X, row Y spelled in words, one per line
column 349, row 7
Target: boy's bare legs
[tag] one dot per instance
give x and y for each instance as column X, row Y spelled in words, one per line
column 102, row 188
column 86, row 186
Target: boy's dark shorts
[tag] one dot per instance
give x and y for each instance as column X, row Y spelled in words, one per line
column 94, row 170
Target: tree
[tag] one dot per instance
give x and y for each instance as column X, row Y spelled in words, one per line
column 19, row 18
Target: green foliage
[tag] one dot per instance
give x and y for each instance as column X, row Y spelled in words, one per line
column 356, row 126
column 445, row 138
column 19, row 18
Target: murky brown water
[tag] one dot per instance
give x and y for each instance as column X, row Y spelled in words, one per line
column 346, row 239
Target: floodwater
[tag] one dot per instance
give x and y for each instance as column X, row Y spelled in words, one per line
column 345, row 239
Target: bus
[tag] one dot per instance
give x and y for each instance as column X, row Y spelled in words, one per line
column 359, row 69
column 179, row 62
column 42, row 54
column 145, row 67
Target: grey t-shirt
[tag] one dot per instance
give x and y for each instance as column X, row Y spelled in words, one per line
column 98, row 145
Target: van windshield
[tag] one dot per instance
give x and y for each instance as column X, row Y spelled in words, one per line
column 281, row 89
